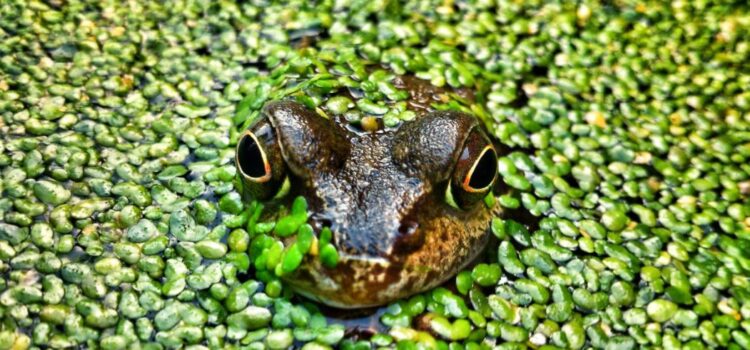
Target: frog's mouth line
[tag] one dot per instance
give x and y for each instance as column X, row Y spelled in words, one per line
column 364, row 258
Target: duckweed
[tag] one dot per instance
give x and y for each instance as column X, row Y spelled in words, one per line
column 625, row 211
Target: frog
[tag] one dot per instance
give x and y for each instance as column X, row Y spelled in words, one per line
column 406, row 205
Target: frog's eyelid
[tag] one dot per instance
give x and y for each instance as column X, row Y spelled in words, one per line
column 307, row 140
column 429, row 146
column 248, row 165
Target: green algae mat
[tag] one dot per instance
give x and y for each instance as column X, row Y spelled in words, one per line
column 626, row 123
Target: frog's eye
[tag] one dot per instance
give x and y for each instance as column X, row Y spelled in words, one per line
column 259, row 162
column 475, row 172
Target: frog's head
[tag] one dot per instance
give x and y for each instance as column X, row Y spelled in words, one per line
column 405, row 204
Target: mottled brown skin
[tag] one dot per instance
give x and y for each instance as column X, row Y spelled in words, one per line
column 383, row 194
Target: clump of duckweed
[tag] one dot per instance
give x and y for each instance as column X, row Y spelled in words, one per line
column 271, row 258
column 628, row 124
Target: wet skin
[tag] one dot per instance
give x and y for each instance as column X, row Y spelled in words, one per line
column 385, row 194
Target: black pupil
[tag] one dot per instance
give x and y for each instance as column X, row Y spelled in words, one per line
column 251, row 158
column 484, row 171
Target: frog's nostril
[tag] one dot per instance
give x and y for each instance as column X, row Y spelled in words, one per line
column 410, row 238
column 318, row 221
column 326, row 222
column 407, row 228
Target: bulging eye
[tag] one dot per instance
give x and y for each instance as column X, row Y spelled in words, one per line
column 259, row 162
column 252, row 159
column 482, row 173
column 475, row 172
